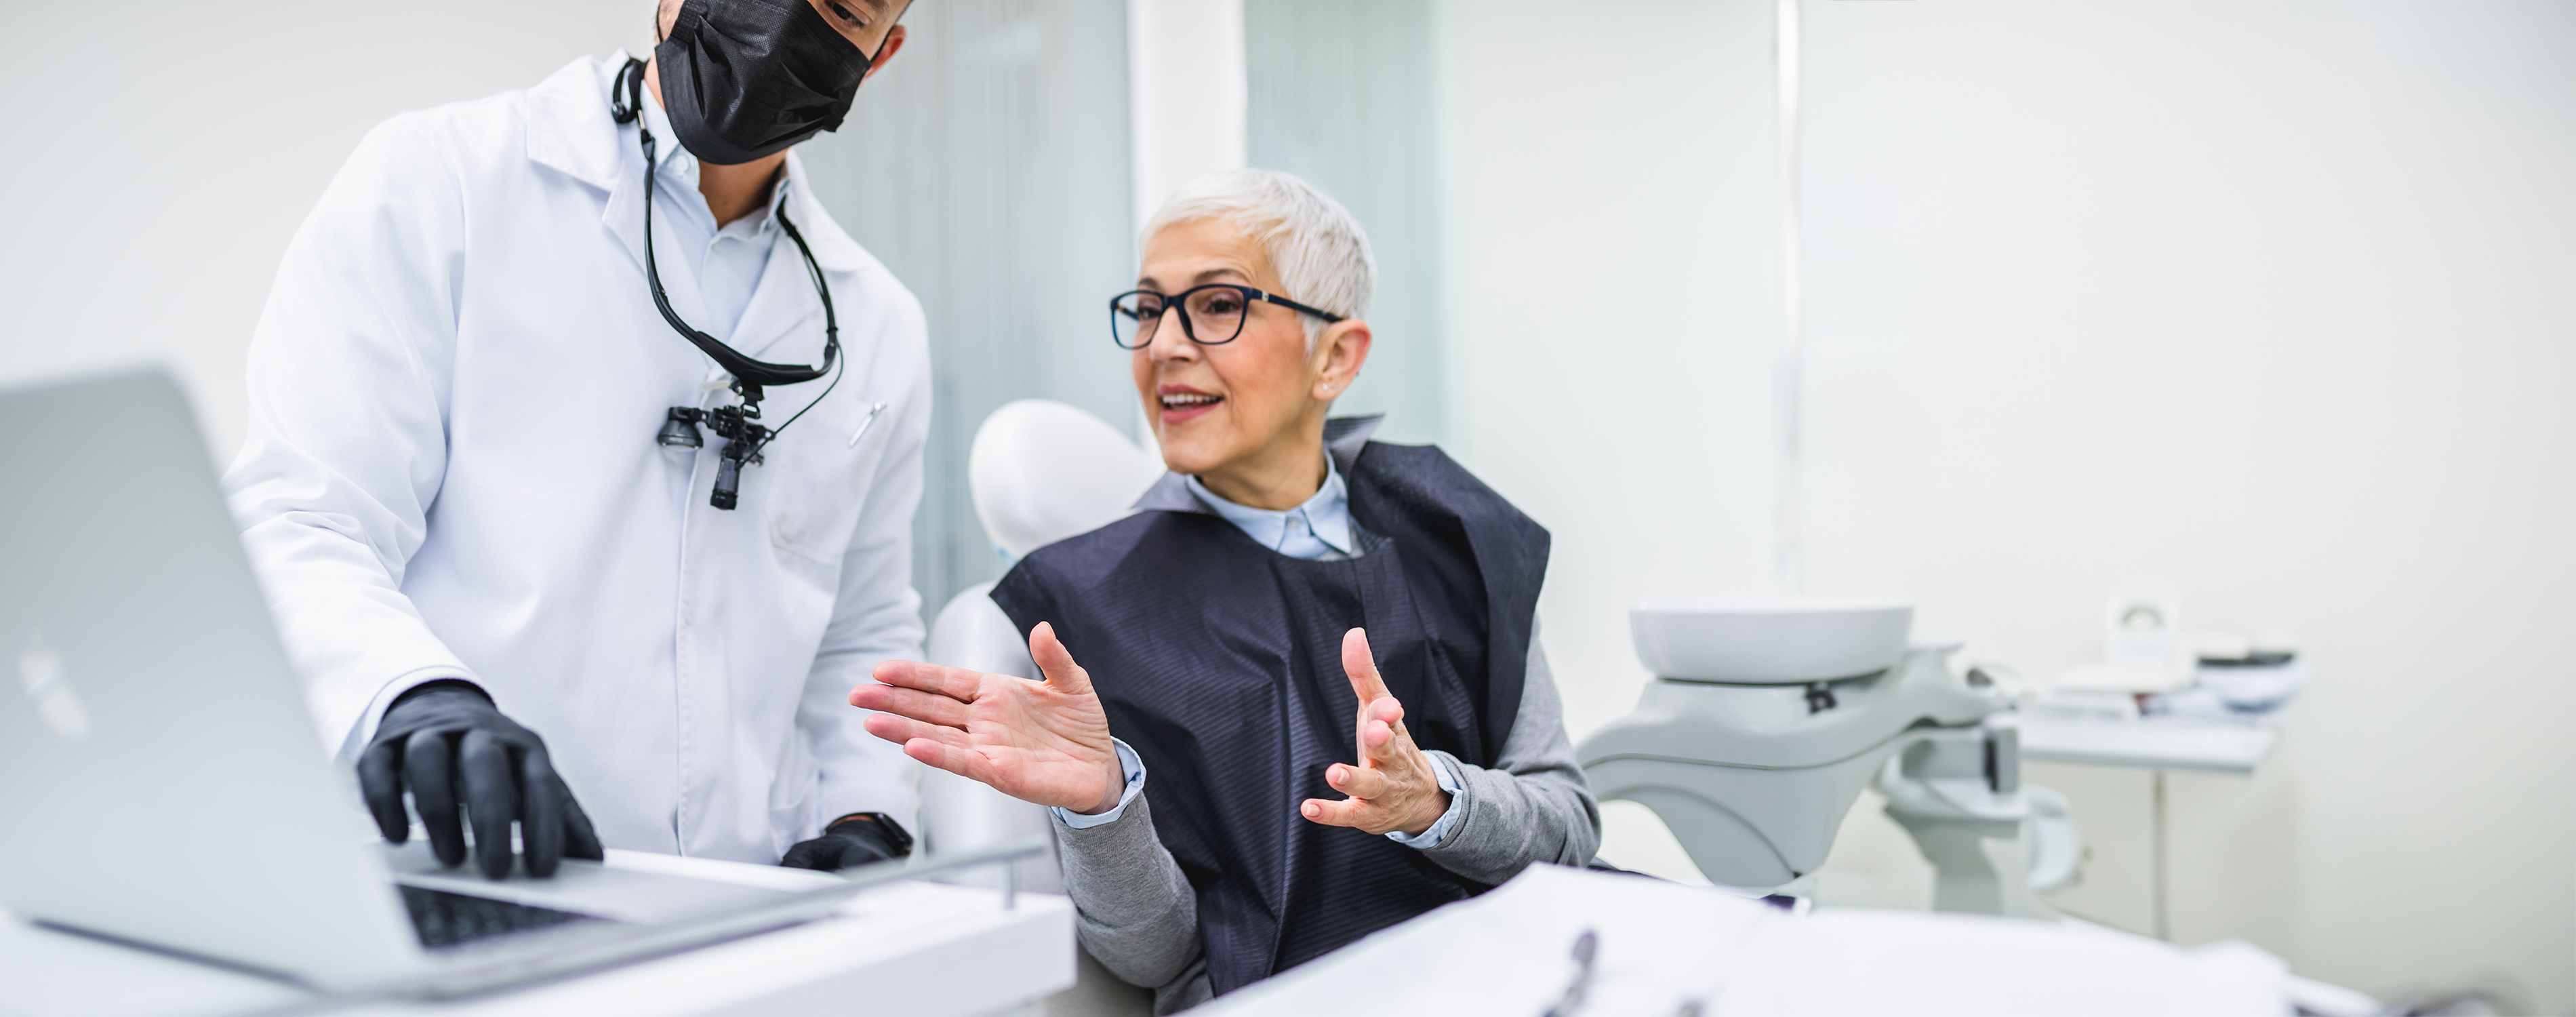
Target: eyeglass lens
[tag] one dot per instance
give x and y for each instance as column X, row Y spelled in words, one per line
column 1215, row 315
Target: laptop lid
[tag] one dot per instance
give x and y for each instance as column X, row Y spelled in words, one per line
column 159, row 779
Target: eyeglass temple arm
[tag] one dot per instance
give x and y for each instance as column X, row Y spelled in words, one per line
column 1294, row 306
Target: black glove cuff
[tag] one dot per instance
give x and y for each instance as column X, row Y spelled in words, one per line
column 876, row 827
column 441, row 685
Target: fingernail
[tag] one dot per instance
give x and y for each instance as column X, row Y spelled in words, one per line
column 1311, row 811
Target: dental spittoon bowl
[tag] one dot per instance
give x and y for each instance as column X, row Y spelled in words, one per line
column 1774, row 643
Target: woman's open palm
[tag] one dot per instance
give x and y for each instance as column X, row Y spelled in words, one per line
column 1045, row 742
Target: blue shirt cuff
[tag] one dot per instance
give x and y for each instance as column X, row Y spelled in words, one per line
column 1439, row 831
column 1135, row 770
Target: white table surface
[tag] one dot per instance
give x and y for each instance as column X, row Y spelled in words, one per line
column 912, row 948
column 1661, row 946
column 2157, row 743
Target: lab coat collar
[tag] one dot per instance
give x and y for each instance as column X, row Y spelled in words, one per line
column 569, row 127
column 783, row 306
column 1343, row 439
column 623, row 214
column 571, row 131
column 833, row 249
column 784, row 303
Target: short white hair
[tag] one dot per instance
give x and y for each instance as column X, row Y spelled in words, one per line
column 1320, row 252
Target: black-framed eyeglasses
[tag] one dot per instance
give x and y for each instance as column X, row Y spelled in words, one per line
column 1211, row 315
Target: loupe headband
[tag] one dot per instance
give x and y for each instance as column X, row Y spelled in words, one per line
column 629, row 108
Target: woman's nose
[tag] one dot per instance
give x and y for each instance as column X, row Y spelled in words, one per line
column 1171, row 340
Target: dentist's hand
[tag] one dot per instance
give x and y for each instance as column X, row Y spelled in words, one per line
column 1393, row 788
column 860, row 838
column 454, row 750
column 1045, row 742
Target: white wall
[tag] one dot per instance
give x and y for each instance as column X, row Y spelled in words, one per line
column 162, row 153
column 1185, row 95
column 1615, row 282
column 1351, row 95
column 2269, row 302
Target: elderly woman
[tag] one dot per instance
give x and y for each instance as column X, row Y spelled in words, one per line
column 1311, row 701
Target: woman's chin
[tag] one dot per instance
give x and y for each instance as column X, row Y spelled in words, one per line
column 1197, row 441
column 1188, row 457
column 1185, row 464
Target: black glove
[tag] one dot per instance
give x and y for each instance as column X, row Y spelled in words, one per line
column 447, row 733
column 854, row 839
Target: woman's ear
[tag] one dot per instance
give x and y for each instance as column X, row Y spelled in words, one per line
column 1339, row 352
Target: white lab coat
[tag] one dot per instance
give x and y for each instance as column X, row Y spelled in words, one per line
column 451, row 472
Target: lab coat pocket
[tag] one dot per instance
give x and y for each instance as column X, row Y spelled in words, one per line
column 822, row 482
column 791, row 795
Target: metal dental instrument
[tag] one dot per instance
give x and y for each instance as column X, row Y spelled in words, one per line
column 1585, row 947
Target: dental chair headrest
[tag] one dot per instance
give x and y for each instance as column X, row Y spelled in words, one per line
column 1042, row 471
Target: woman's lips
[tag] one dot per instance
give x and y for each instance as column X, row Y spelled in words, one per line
column 1187, row 405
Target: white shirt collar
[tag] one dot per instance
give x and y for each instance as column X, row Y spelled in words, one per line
column 679, row 170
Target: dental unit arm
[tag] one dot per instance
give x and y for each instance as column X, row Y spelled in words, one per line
column 1765, row 723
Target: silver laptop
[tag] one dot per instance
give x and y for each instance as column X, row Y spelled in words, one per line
column 162, row 785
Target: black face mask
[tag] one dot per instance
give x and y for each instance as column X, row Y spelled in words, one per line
column 744, row 79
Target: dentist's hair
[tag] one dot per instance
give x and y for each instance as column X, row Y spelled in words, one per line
column 1320, row 252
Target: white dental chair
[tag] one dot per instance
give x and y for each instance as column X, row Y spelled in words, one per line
column 1040, row 471
column 1764, row 723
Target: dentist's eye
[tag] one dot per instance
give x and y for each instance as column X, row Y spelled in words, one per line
column 845, row 14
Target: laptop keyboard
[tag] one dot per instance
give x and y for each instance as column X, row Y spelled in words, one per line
column 445, row 919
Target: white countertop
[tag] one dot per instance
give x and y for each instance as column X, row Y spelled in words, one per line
column 913, row 948
column 2159, row 743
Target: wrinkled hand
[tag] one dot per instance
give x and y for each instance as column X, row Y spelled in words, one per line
column 1394, row 787
column 1045, row 742
column 455, row 751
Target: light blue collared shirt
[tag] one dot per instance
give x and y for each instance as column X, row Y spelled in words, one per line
column 1318, row 530
column 727, row 262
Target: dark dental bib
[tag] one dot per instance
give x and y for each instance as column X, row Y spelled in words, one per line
column 1219, row 662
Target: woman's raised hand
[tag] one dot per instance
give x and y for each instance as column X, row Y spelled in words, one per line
column 1393, row 787
column 1045, row 742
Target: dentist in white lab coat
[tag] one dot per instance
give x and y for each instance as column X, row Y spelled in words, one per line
column 506, row 596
